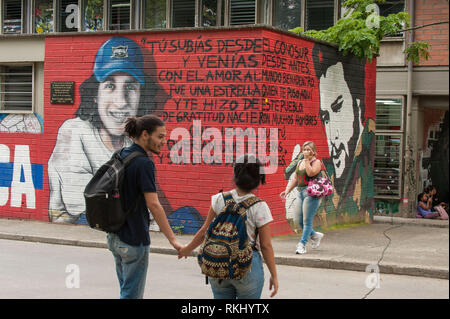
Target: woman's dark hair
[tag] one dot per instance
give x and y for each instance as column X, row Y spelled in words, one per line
column 134, row 126
column 248, row 173
column 419, row 197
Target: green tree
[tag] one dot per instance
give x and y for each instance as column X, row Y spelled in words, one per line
column 361, row 30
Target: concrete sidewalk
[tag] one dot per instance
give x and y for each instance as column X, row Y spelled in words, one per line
column 397, row 245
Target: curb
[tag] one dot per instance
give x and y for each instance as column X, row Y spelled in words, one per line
column 54, row 241
column 349, row 265
column 411, row 221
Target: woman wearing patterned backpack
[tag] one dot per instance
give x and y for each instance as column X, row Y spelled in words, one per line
column 248, row 174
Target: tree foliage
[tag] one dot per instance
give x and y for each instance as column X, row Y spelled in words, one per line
column 361, row 30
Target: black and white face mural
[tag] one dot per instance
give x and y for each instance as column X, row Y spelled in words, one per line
column 349, row 131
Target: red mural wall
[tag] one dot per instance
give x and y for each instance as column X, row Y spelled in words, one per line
column 220, row 92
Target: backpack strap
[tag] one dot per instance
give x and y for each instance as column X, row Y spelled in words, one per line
column 249, row 202
column 244, row 206
column 130, row 157
column 228, row 198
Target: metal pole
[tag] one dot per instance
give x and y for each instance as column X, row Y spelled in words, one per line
column 409, row 182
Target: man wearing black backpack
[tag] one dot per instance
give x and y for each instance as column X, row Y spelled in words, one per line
column 131, row 244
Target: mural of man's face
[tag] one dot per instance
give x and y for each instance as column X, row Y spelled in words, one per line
column 336, row 113
column 118, row 99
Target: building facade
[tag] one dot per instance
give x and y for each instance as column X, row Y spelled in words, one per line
column 412, row 114
column 223, row 86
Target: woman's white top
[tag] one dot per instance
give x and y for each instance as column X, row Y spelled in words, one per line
column 257, row 215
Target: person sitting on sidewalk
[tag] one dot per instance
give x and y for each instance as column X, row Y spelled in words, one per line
column 424, row 204
column 437, row 205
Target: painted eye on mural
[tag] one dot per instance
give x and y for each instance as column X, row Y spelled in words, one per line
column 324, row 116
column 109, row 85
column 132, row 86
column 337, row 104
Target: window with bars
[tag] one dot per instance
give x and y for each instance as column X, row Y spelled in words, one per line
column 388, row 147
column 119, row 15
column 68, row 15
column 390, row 7
column 155, row 14
column 16, row 88
column 209, row 10
column 319, row 14
column 12, row 16
column 287, row 14
column 93, row 15
column 242, row 12
column 183, row 13
column 43, row 16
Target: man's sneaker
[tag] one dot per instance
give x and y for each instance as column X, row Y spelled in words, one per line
column 153, row 225
column 315, row 240
column 301, row 249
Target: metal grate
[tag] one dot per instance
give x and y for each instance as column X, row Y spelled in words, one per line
column 120, row 15
column 12, row 16
column 16, row 88
column 183, row 13
column 208, row 13
column 155, row 14
column 43, row 16
column 93, row 15
column 319, row 14
column 68, row 21
column 287, row 14
column 389, row 114
column 242, row 12
column 387, row 165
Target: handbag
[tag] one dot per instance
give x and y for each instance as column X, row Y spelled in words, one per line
column 320, row 186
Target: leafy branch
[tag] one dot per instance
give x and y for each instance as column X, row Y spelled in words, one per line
column 361, row 30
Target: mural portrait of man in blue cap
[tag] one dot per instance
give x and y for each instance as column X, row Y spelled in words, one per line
column 117, row 89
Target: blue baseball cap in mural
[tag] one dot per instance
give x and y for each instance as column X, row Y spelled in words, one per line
column 119, row 54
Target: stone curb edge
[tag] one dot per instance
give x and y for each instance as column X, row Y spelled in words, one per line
column 437, row 273
column 411, row 222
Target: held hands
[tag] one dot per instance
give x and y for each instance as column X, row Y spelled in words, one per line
column 184, row 252
column 177, row 245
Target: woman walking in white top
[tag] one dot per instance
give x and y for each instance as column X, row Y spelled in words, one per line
column 247, row 177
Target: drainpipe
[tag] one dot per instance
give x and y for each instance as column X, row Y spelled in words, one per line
column 409, row 192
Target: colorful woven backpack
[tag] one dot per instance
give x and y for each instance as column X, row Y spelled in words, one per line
column 226, row 252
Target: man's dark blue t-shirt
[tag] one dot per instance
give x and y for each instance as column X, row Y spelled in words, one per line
column 139, row 178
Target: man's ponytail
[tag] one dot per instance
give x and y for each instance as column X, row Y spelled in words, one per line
column 134, row 126
column 131, row 127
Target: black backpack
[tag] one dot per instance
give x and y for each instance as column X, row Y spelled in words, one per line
column 104, row 210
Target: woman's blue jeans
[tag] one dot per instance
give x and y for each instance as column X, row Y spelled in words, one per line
column 131, row 266
column 308, row 208
column 249, row 287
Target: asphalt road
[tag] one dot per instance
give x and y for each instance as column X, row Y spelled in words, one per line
column 43, row 271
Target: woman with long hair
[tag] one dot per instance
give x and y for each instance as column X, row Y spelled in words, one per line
column 307, row 169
